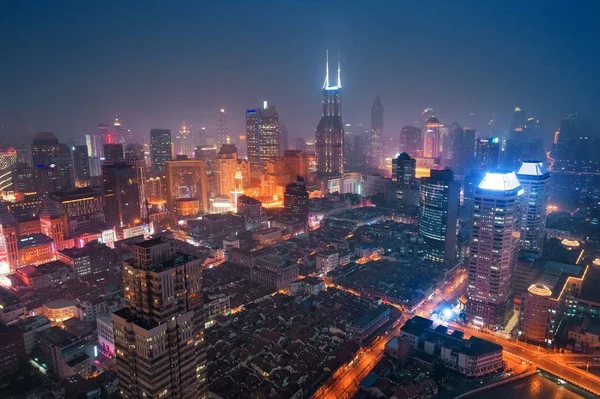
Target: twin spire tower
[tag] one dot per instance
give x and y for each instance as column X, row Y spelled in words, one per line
column 329, row 135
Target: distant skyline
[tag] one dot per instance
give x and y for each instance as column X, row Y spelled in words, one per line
column 68, row 66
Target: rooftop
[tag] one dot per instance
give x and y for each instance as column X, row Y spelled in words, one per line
column 532, row 168
column 416, row 326
column 500, row 181
column 33, row 240
column 45, row 268
column 78, row 193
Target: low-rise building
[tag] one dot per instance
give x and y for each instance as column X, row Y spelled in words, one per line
column 12, row 350
column 11, row 307
column 414, row 329
column 30, row 327
column 215, row 306
column 267, row 235
column 308, row 286
column 366, row 325
column 51, row 274
column 78, row 258
column 36, row 249
column 274, row 271
column 60, row 310
column 67, row 354
column 106, row 336
column 327, row 261
column 585, row 334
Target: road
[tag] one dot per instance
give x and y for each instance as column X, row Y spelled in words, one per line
column 346, row 380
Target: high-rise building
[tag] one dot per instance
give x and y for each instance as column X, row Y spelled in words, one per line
column 25, row 180
column 8, row 159
column 251, row 210
column 487, row 154
column 283, row 139
column 160, row 149
column 122, row 134
column 134, row 151
column 463, row 148
column 438, row 214
column 98, row 140
column 53, row 163
column 122, row 206
column 81, row 163
column 295, row 163
column 262, row 135
column 226, row 165
column 113, row 153
column 410, row 140
column 329, row 135
column 185, row 146
column 159, row 341
column 24, row 155
column 565, row 149
column 517, row 125
column 494, row 248
column 295, row 200
column 377, row 131
column 432, row 138
column 535, row 181
column 186, row 179
column 54, row 223
column 223, row 136
column 403, row 173
column 9, row 250
column 425, row 116
column 208, row 154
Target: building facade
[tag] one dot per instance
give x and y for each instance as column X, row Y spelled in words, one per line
column 262, row 136
column 535, row 181
column 160, row 149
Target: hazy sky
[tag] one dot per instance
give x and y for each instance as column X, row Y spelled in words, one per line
column 66, row 66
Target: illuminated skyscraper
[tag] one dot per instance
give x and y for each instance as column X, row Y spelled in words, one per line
column 535, row 181
column 113, row 153
column 438, row 214
column 295, row 200
column 54, row 223
column 262, row 135
column 186, row 179
column 121, row 193
column 432, row 138
column 81, row 163
column 122, row 135
column 98, row 140
column 376, row 131
column 494, row 248
column 160, row 149
column 410, row 140
column 487, row 154
column 226, row 165
column 159, row 341
column 53, row 163
column 185, row 146
column 425, row 116
column 329, row 135
column 223, row 136
column 8, row 159
column 564, row 153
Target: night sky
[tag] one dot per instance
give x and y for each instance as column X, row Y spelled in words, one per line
column 66, row 66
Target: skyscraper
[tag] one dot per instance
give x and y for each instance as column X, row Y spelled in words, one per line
column 487, row 154
column 159, row 340
column 403, row 173
column 517, row 125
column 262, row 134
column 98, row 140
column 432, row 138
column 8, row 159
column 295, row 200
column 122, row 135
column 295, row 163
column 186, row 179
column 53, row 163
column 410, row 140
column 81, row 163
column 226, row 165
column 185, row 140
column 535, row 181
column 160, row 149
column 376, row 131
column 464, row 148
column 564, row 152
column 121, row 193
column 329, row 135
column 223, row 136
column 113, row 153
column 494, row 248
column 425, row 116
column 438, row 214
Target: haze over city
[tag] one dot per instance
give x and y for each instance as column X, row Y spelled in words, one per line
column 71, row 65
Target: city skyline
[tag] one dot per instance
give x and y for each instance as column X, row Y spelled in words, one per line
column 488, row 80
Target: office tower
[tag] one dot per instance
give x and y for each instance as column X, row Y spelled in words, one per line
column 24, row 155
column 159, row 341
column 425, row 116
column 83, row 206
column 208, row 154
column 81, row 163
column 113, row 153
column 160, row 149
column 295, row 163
column 122, row 134
column 121, row 194
column 53, row 163
column 377, row 131
column 539, row 315
column 262, row 134
column 98, row 140
column 535, row 181
column 329, row 135
column 223, row 136
column 432, row 138
column 283, row 139
column 487, row 153
column 564, row 152
column 517, row 125
column 9, row 250
column 8, row 159
column 186, row 179
column 403, row 169
column 134, row 151
column 88, row 144
column 463, row 148
column 226, row 165
column 438, row 214
column 410, row 140
column 494, row 248
column 295, row 200
column 54, row 223
column 25, row 181
column 184, row 142
column 251, row 210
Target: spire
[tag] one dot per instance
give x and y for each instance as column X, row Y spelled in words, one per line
column 339, row 80
column 117, row 123
column 326, row 84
